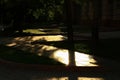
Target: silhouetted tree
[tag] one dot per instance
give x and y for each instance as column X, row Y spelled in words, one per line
column 38, row 11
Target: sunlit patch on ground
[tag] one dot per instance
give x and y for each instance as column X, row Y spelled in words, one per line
column 89, row 78
column 41, row 38
column 35, row 31
column 54, row 78
column 60, row 55
column 67, row 78
column 81, row 59
column 43, row 31
column 12, row 44
column 28, row 39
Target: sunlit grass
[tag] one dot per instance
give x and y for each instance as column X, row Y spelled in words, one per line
column 58, row 51
column 61, row 55
column 51, row 78
column 68, row 78
column 42, row 31
column 90, row 78
column 34, row 31
column 81, row 59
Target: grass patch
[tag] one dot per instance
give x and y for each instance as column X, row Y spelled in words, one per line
column 33, row 31
column 107, row 48
column 82, row 46
column 11, row 54
column 42, row 31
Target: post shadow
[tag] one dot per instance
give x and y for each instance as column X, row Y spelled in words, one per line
column 97, row 4
column 69, row 16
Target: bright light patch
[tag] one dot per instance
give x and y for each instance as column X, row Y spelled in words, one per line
column 62, row 56
column 89, row 78
column 12, row 44
column 81, row 59
column 54, row 78
column 48, row 48
column 62, row 78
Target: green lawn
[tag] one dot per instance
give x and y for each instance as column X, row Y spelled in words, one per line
column 107, row 48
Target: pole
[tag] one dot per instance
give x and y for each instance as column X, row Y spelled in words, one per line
column 68, row 5
column 96, row 24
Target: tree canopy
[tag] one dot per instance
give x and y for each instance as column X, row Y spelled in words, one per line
column 37, row 10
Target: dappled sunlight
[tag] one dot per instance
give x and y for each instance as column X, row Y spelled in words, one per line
column 29, row 39
column 53, row 78
column 48, row 48
column 81, row 59
column 23, row 39
column 56, row 38
column 62, row 56
column 33, row 31
column 68, row 78
column 40, row 38
column 12, row 44
column 48, row 38
column 39, row 49
column 24, row 43
column 90, row 78
column 61, row 78
column 43, row 31
column 36, row 38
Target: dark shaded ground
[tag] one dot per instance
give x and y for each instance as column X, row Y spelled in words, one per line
column 7, row 73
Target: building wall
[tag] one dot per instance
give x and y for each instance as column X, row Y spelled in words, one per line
column 85, row 14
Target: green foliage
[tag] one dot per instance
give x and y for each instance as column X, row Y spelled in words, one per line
column 79, row 1
column 82, row 47
column 41, row 10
